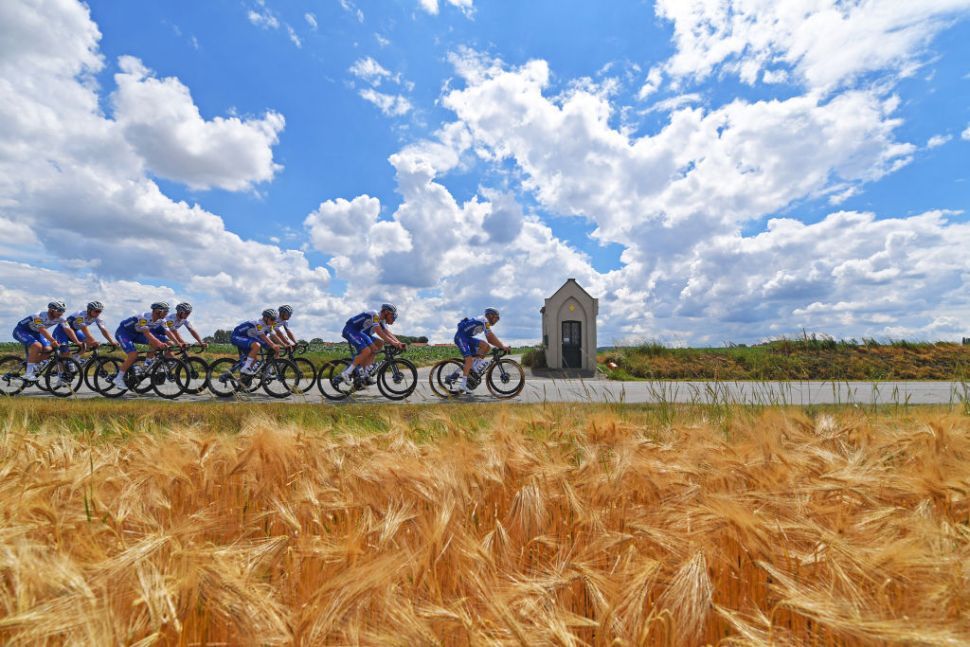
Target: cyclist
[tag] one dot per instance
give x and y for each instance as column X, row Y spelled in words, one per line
column 147, row 328
column 247, row 335
column 360, row 331
column 474, row 349
column 79, row 322
column 178, row 319
column 32, row 331
column 282, row 328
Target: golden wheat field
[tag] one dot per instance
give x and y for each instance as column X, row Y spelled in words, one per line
column 144, row 524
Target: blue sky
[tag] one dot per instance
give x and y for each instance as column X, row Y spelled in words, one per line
column 712, row 172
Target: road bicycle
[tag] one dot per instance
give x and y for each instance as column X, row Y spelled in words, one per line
column 277, row 376
column 168, row 377
column 57, row 374
column 396, row 377
column 504, row 377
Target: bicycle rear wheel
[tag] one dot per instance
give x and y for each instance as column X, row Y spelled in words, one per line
column 444, row 376
column 222, row 379
column 505, row 378
column 397, row 379
column 138, row 377
column 12, row 370
column 102, row 377
column 279, row 377
column 166, row 377
column 63, row 377
column 329, row 382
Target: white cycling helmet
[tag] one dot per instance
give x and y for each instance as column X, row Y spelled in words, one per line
column 185, row 306
column 160, row 305
column 271, row 313
column 95, row 305
column 57, row 305
column 492, row 311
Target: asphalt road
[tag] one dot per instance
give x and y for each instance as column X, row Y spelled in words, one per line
column 542, row 389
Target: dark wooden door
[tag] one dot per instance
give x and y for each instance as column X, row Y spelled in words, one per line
column 572, row 344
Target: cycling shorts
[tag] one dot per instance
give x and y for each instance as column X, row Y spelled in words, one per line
column 127, row 339
column 243, row 342
column 357, row 338
column 29, row 337
column 467, row 345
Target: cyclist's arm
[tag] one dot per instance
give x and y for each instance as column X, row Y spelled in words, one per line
column 47, row 335
column 106, row 334
column 194, row 333
column 292, row 336
column 87, row 335
column 152, row 339
column 279, row 338
column 388, row 336
column 495, row 341
column 269, row 342
column 178, row 337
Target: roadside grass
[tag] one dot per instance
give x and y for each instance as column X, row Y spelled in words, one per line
column 811, row 358
column 207, row 523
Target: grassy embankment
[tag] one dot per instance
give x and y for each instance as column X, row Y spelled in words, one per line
column 793, row 359
column 144, row 523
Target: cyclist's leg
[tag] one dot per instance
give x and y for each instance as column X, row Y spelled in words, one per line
column 248, row 351
column 362, row 343
column 62, row 339
column 127, row 342
column 34, row 345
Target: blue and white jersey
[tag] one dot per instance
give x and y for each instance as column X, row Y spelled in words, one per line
column 282, row 323
column 173, row 322
column 253, row 328
column 40, row 321
column 471, row 326
column 366, row 322
column 143, row 323
column 81, row 319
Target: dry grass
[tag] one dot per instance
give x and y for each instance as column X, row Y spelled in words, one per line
column 526, row 525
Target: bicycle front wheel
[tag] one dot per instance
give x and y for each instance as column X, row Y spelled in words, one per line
column 307, row 376
column 279, row 377
column 505, row 378
column 195, row 377
column 63, row 377
column 397, row 379
column 223, row 380
column 12, row 370
column 167, row 377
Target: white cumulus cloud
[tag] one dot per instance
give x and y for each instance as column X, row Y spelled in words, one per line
column 159, row 118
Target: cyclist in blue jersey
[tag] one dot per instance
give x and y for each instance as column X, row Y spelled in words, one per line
column 177, row 320
column 79, row 323
column 282, row 328
column 474, row 349
column 360, row 330
column 33, row 331
column 148, row 328
column 247, row 335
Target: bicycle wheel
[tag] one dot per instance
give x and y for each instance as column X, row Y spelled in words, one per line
column 397, row 379
column 102, row 376
column 138, row 377
column 63, row 377
column 194, row 378
column 42, row 368
column 444, row 376
column 328, row 383
column 505, row 378
column 279, row 377
column 166, row 379
column 223, row 380
column 12, row 369
column 307, row 377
